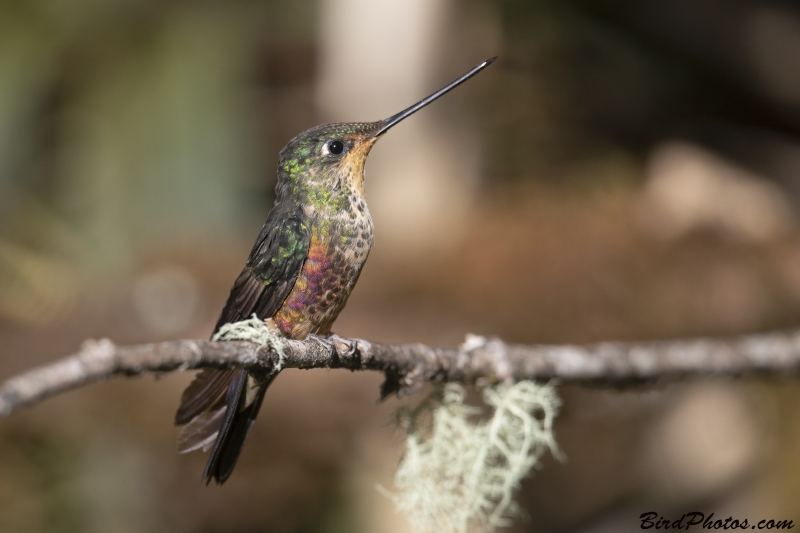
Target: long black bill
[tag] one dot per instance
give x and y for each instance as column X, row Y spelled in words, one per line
column 391, row 121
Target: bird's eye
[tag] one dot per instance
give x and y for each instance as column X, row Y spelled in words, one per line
column 336, row 147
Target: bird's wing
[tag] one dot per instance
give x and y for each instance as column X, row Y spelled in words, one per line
column 272, row 269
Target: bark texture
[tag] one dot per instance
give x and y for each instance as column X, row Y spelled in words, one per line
column 408, row 367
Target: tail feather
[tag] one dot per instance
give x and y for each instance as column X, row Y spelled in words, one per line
column 206, row 391
column 201, row 432
column 240, row 413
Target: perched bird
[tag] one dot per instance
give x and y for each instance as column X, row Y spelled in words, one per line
column 300, row 273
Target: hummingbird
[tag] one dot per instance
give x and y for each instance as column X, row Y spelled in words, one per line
column 300, row 272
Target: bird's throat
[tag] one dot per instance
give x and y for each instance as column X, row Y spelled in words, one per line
column 352, row 165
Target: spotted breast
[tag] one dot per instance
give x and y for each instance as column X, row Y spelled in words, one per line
column 338, row 250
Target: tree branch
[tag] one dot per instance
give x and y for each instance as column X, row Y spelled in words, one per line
column 408, row 367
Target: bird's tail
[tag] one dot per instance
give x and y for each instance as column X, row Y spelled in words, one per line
column 224, row 419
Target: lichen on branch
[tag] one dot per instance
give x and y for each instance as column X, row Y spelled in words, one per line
column 460, row 471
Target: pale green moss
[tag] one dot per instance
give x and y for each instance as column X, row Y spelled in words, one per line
column 461, row 473
column 254, row 330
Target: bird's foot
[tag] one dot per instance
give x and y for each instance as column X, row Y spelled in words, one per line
column 352, row 347
column 326, row 342
column 332, row 341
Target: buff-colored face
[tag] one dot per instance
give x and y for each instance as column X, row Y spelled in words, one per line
column 352, row 159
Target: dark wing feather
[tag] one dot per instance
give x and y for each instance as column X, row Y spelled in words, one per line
column 272, row 269
column 244, row 299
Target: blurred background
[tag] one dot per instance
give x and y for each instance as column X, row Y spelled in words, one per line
column 625, row 170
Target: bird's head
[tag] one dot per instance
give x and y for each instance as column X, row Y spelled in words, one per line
column 333, row 155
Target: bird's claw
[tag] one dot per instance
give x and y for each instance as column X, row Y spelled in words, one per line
column 326, row 342
column 352, row 347
column 331, row 341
